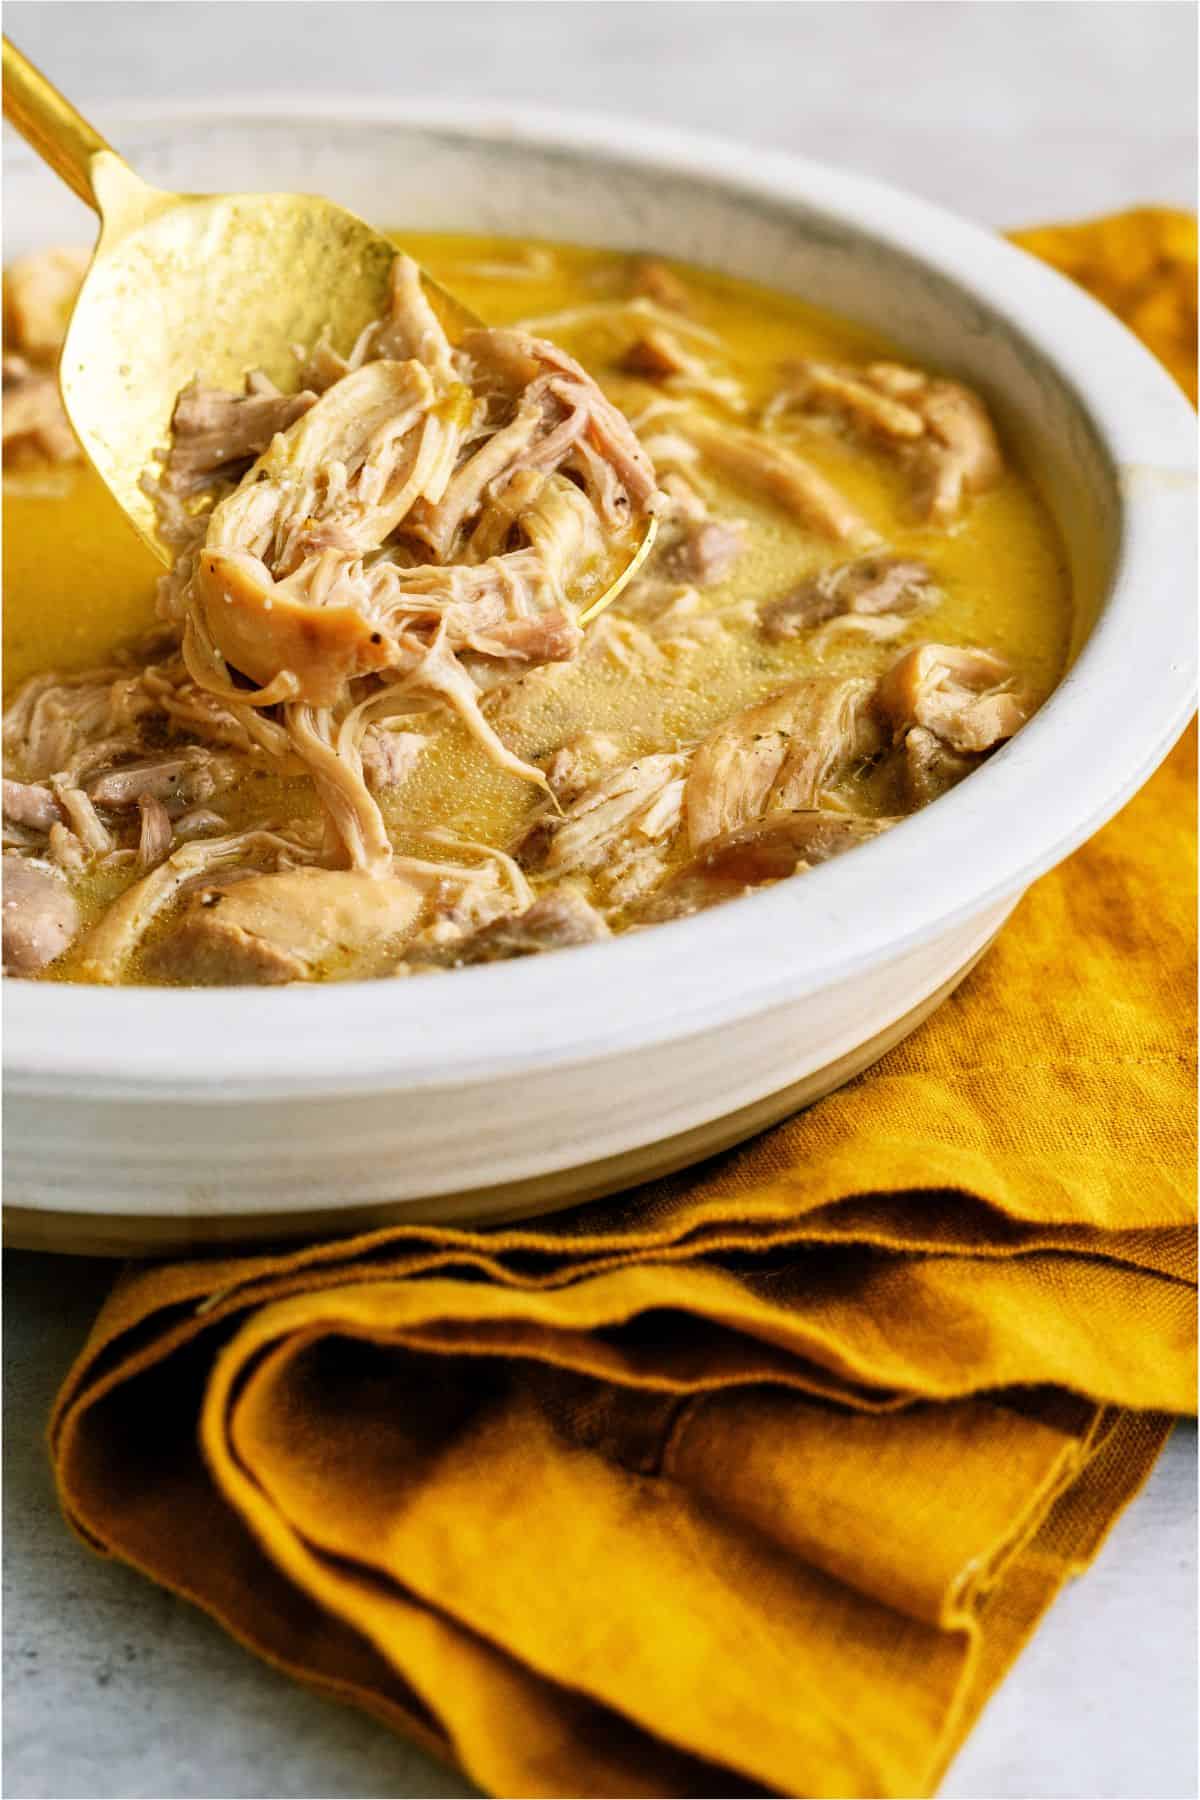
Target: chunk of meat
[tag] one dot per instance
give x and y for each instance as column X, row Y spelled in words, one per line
column 412, row 328
column 155, row 835
column 618, row 831
column 577, row 763
column 547, row 637
column 40, row 291
column 702, row 553
column 269, row 929
column 780, row 754
column 41, row 919
column 959, row 455
column 107, row 947
column 198, row 822
column 28, row 804
column 518, row 360
column 560, row 919
column 177, row 782
column 272, row 633
column 869, row 585
column 777, row 473
column 939, row 429
column 389, row 757
column 773, row 849
column 931, row 768
column 657, row 353
column 823, row 387
column 35, row 423
column 653, row 280
column 355, row 461
column 965, row 697
column 82, row 818
column 214, row 432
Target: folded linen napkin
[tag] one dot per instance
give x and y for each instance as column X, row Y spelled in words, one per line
column 755, row 1479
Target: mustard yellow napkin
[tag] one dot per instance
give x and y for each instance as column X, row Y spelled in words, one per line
column 752, row 1480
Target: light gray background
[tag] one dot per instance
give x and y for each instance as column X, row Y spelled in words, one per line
column 1012, row 113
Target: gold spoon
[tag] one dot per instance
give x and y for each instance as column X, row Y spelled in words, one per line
column 216, row 282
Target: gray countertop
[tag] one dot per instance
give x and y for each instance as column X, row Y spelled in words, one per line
column 1012, row 113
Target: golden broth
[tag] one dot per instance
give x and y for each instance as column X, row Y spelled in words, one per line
column 79, row 583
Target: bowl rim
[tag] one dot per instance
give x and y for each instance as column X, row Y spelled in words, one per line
column 691, row 976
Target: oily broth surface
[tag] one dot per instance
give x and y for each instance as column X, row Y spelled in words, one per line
column 79, row 583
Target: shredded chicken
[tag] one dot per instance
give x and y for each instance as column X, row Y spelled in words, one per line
column 653, row 280
column 773, row 849
column 104, row 952
column 155, row 834
column 309, row 582
column 968, row 698
column 577, row 763
column 39, row 293
column 215, row 434
column 939, row 429
column 702, row 553
column 777, row 473
column 561, row 919
column 783, row 754
column 617, row 831
column 40, row 915
column 867, row 588
column 380, row 575
column 931, row 768
column 284, row 927
column 30, row 805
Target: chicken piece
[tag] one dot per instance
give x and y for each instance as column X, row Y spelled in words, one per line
column 487, row 472
column 28, row 804
column 412, row 328
column 963, row 696
column 657, row 353
column 653, row 280
column 81, row 816
column 939, row 429
column 560, row 919
column 35, row 424
column 869, row 585
column 779, row 846
column 778, row 474
column 931, row 768
column 619, row 830
column 355, row 461
column 389, row 757
column 269, row 929
column 40, row 291
column 198, row 822
column 546, row 638
column 268, row 632
column 702, row 554
column 684, row 503
column 824, row 388
column 780, row 754
column 959, row 455
column 41, row 919
column 155, row 835
column 576, row 764
column 179, row 782
column 517, row 361
column 215, row 433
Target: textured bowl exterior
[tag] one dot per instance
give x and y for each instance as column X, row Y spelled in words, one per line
column 520, row 1086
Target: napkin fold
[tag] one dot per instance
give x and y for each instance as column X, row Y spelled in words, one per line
column 755, row 1479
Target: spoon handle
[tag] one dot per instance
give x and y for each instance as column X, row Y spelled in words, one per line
column 60, row 135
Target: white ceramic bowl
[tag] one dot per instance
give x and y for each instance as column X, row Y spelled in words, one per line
column 144, row 1116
